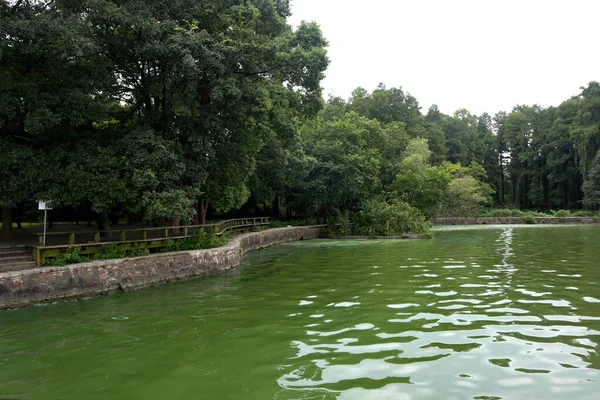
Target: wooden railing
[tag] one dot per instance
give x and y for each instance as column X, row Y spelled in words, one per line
column 216, row 228
column 143, row 237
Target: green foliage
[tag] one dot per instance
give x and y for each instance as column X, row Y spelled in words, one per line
column 71, row 256
column 388, row 218
column 107, row 252
column 110, row 251
column 502, row 213
column 145, row 106
column 582, row 213
column 343, row 219
column 529, row 218
column 419, row 184
column 200, row 241
column 149, row 107
column 562, row 213
column 275, row 223
column 591, row 187
column 342, row 164
column 113, row 250
column 467, row 194
column 449, row 189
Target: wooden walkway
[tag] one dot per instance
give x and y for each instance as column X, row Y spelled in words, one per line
column 20, row 254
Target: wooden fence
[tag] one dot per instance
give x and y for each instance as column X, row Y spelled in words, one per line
column 137, row 239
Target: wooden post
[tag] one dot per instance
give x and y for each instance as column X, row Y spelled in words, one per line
column 144, row 234
column 41, row 240
column 185, row 231
column 123, row 236
column 71, row 238
column 166, row 233
column 97, row 237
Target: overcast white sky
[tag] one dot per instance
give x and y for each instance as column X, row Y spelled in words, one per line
column 483, row 55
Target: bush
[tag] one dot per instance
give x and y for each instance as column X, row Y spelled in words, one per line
column 109, row 251
column 540, row 214
column 200, row 241
column 562, row 213
column 503, row 213
column 381, row 218
column 343, row 219
column 71, row 256
column 582, row 213
column 529, row 218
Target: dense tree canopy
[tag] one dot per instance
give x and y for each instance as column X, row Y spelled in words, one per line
column 148, row 106
column 169, row 110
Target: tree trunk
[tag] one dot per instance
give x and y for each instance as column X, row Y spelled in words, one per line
column 501, row 181
column 516, row 193
column 203, row 208
column 175, row 224
column 131, row 219
column 196, row 216
column 7, row 230
column 104, row 224
column 275, row 211
column 18, row 215
column 330, row 223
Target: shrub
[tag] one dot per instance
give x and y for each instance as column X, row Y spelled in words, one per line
column 200, row 241
column 71, row 256
column 381, row 218
column 582, row 213
column 539, row 214
column 562, row 213
column 343, row 219
column 109, row 251
column 503, row 213
column 529, row 218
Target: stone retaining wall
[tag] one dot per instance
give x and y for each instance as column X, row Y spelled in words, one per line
column 512, row 220
column 49, row 284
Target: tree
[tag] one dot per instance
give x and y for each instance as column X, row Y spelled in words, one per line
column 208, row 77
column 518, row 135
column 591, row 187
column 500, row 144
column 418, row 183
column 388, row 105
column 585, row 128
column 51, row 81
column 343, row 170
column 467, row 193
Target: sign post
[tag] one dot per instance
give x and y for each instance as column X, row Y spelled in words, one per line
column 43, row 205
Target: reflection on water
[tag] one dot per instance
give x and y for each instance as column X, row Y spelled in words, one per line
column 500, row 313
column 483, row 331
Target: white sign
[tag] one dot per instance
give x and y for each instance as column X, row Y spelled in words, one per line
column 43, row 205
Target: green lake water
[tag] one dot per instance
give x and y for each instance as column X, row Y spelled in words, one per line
column 508, row 312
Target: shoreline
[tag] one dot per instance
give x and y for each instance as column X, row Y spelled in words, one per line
column 513, row 221
column 22, row 288
column 40, row 285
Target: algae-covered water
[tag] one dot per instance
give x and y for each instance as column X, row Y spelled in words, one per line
column 488, row 313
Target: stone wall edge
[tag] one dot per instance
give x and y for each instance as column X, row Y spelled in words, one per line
column 52, row 284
